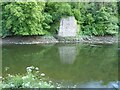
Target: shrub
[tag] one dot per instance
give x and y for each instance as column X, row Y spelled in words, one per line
column 40, row 18
column 31, row 80
column 22, row 18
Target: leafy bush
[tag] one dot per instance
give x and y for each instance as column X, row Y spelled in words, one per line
column 40, row 18
column 100, row 20
column 23, row 18
column 105, row 23
column 31, row 80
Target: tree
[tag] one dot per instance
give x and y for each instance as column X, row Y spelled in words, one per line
column 23, row 18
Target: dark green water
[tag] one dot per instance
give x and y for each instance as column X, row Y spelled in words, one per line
column 83, row 65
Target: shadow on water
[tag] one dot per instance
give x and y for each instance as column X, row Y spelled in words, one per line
column 67, row 63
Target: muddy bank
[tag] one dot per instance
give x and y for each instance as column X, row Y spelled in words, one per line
column 56, row 39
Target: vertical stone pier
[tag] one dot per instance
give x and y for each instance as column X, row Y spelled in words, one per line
column 68, row 27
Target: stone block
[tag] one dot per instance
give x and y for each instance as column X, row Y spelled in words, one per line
column 68, row 27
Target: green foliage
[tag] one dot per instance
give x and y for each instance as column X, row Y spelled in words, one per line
column 40, row 18
column 31, row 80
column 46, row 23
column 0, row 19
column 105, row 23
column 100, row 20
column 58, row 9
column 77, row 14
column 14, row 81
column 23, row 18
column 63, row 9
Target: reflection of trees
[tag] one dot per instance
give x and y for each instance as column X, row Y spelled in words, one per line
column 22, row 56
column 99, row 61
column 91, row 62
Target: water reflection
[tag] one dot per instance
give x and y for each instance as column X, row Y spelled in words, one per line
column 67, row 54
column 77, row 63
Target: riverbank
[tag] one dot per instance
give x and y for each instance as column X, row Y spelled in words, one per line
column 56, row 39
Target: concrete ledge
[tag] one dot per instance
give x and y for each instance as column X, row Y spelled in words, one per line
column 89, row 39
column 56, row 39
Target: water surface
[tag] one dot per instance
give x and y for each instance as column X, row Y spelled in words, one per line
column 82, row 65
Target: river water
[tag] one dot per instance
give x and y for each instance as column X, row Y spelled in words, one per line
column 79, row 65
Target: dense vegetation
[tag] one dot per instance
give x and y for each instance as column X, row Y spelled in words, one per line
column 32, row 79
column 42, row 18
